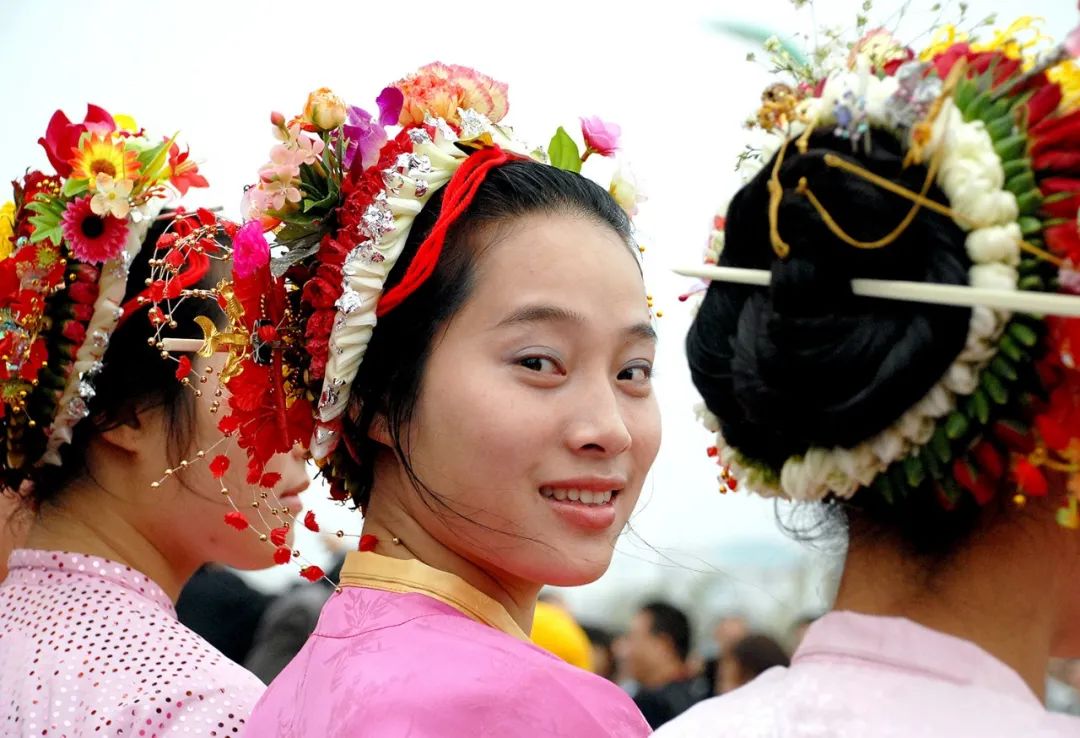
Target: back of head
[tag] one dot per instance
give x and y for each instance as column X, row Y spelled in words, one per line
column 671, row 624
column 914, row 421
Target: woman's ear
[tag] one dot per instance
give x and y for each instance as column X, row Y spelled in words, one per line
column 140, row 432
column 379, row 430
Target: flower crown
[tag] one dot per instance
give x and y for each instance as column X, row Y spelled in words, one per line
column 995, row 125
column 339, row 196
column 66, row 243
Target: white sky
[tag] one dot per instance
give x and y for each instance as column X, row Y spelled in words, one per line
column 214, row 69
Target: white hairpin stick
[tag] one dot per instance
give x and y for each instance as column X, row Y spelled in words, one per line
column 1038, row 303
column 182, row 345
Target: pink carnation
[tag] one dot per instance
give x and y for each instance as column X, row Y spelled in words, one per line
column 251, row 252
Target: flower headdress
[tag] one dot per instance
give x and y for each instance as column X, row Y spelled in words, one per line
column 339, row 197
column 66, row 243
column 997, row 127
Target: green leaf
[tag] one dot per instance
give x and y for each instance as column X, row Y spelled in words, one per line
column 1001, row 128
column 1013, row 147
column 977, row 108
column 1011, row 349
column 75, row 187
column 1030, row 225
column 563, row 152
column 940, row 446
column 964, row 95
column 1021, row 182
column 1032, row 283
column 979, row 406
column 154, row 160
column 1023, row 334
column 914, row 471
column 1015, row 167
column 933, row 466
column 883, row 488
column 1029, row 202
column 1001, row 367
column 956, row 426
column 325, row 203
column 994, row 388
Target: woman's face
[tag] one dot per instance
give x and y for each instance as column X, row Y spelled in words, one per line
column 195, row 493
column 536, row 421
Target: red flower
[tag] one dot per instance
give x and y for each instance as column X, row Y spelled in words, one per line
column 269, row 480
column 74, row 331
column 312, row 573
column 323, row 290
column 219, row 466
column 62, row 136
column 1064, row 240
column 310, row 523
column 368, row 542
column 282, row 555
column 989, row 459
column 236, row 520
column 1044, row 102
column 185, row 173
column 1054, row 433
column 39, row 354
column 968, row 478
column 183, row 367
column 229, row 424
column 93, row 238
column 278, row 536
column 1029, row 479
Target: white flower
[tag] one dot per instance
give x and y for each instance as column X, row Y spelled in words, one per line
column 995, row 244
column 993, row 276
column 625, row 190
column 111, row 197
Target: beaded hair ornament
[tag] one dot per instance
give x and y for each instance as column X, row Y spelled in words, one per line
column 66, row 244
column 339, row 197
column 996, row 123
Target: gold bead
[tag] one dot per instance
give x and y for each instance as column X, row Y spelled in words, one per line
column 151, row 342
column 164, row 354
column 1019, row 500
column 202, row 380
column 173, row 323
column 262, row 537
column 659, row 313
column 255, row 504
column 201, row 454
column 198, row 393
column 168, row 472
column 184, row 463
column 155, row 485
column 341, row 534
column 32, row 423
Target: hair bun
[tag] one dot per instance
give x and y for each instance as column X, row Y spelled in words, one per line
column 807, row 363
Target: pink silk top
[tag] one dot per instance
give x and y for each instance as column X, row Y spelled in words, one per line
column 90, row 647
column 408, row 651
column 858, row 676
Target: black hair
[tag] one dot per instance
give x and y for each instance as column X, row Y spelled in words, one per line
column 672, row 623
column 756, row 654
column 390, row 377
column 805, row 363
column 134, row 378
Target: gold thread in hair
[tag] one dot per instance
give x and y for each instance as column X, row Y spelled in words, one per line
column 776, row 193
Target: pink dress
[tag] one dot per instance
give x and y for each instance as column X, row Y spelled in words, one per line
column 858, row 676
column 90, row 647
column 405, row 650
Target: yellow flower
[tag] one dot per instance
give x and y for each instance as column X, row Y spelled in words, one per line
column 126, row 123
column 1021, row 39
column 99, row 155
column 1067, row 76
column 7, row 229
column 325, row 110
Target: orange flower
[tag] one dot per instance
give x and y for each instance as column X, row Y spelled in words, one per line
column 101, row 155
column 440, row 89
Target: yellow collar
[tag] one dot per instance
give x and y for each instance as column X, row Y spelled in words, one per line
column 370, row 570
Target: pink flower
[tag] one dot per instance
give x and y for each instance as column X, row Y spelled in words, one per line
column 600, row 137
column 273, row 194
column 92, row 238
column 251, row 252
column 439, row 89
column 307, row 149
column 365, row 136
column 389, row 101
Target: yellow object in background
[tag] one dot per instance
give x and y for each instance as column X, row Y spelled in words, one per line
column 556, row 631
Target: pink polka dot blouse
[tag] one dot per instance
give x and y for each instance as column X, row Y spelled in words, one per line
column 90, row 647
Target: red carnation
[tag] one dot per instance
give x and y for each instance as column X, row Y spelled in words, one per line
column 278, row 536
column 368, row 542
column 310, row 523
column 183, row 367
column 312, row 573
column 282, row 555
column 1029, row 479
column 74, row 331
column 269, row 480
column 83, row 293
column 236, row 520
column 219, row 466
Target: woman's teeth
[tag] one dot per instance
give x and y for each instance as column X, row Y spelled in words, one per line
column 585, row 497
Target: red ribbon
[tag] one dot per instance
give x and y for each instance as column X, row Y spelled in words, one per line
column 459, row 194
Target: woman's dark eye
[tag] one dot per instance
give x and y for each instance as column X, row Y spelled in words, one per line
column 639, row 373
column 538, row 364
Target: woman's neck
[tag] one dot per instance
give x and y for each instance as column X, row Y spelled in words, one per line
column 87, row 520
column 389, row 522
column 992, row 594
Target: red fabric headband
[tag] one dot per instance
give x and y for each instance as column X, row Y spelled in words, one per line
column 459, row 194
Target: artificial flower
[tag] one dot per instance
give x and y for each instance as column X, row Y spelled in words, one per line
column 272, row 195
column 282, row 555
column 389, row 101
column 92, row 238
column 102, row 155
column 251, row 252
column 184, row 173
column 307, row 148
column 111, row 196
column 881, row 50
column 625, row 190
column 439, row 90
column 62, row 137
column 324, row 110
column 363, row 136
column 312, row 573
column 237, row 520
column 7, row 229
column 600, row 137
column 279, row 535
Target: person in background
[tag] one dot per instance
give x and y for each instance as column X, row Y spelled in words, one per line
column 220, row 606
column 747, row 659
column 729, row 630
column 657, row 648
column 90, row 416
column 601, row 643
